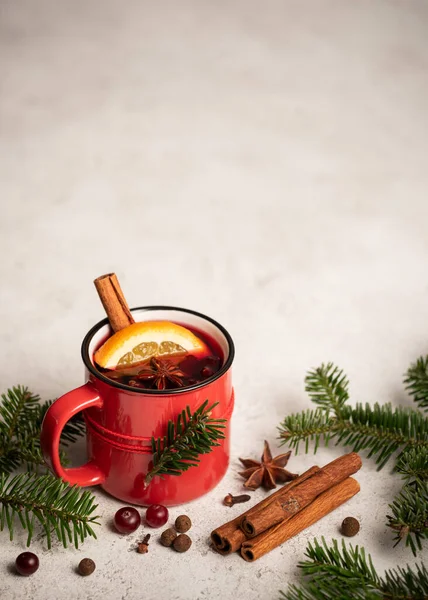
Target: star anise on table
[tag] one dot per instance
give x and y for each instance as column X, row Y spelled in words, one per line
column 160, row 372
column 267, row 472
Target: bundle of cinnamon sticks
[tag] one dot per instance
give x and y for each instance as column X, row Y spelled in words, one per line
column 291, row 509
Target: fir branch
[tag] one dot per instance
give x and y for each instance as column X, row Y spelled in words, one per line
column 192, row 435
column 59, row 508
column 380, row 429
column 409, row 517
column 403, row 582
column 416, row 381
column 307, row 426
column 21, row 417
column 413, row 464
column 17, row 412
column 327, row 386
column 348, row 573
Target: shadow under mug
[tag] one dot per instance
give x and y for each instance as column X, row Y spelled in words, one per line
column 120, row 421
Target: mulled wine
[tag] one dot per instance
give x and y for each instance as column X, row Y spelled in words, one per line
column 169, row 370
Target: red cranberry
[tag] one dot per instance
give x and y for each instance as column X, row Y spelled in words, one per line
column 156, row 515
column 127, row 519
column 26, row 563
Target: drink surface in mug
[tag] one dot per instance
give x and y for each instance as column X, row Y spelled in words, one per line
column 192, row 368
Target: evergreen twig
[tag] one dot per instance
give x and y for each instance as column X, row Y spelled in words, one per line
column 59, row 508
column 380, row 429
column 18, row 409
column 56, row 506
column 412, row 464
column 348, row 573
column 327, row 386
column 21, row 416
column 192, row 435
column 409, row 517
column 416, row 381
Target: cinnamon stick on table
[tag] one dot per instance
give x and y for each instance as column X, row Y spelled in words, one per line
column 229, row 537
column 114, row 302
column 326, row 502
column 285, row 507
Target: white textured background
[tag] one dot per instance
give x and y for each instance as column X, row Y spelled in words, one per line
column 262, row 162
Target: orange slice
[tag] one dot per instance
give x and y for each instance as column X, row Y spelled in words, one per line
column 138, row 342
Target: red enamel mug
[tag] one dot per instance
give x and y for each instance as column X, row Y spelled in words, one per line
column 120, row 421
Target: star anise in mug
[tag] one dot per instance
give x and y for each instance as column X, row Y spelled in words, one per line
column 160, row 372
column 267, row 472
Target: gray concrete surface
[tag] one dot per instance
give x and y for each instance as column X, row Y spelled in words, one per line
column 265, row 163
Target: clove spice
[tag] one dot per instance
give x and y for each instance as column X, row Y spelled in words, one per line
column 143, row 547
column 230, row 500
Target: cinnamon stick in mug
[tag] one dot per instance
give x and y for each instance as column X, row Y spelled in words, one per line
column 229, row 537
column 114, row 301
column 285, row 507
column 326, row 502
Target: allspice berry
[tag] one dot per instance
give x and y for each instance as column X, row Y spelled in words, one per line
column 167, row 537
column 183, row 523
column 86, row 566
column 182, row 543
column 350, row 527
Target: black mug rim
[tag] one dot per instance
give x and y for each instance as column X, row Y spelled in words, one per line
column 88, row 363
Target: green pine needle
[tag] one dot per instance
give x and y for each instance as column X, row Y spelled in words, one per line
column 410, row 515
column 60, row 509
column 348, row 573
column 21, row 416
column 380, row 429
column 412, row 464
column 308, row 426
column 18, row 410
column 192, row 435
column 327, row 386
column 416, row 381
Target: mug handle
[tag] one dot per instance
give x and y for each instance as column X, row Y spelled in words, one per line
column 54, row 422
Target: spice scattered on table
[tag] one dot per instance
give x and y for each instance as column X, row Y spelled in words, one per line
column 182, row 543
column 230, row 500
column 183, row 523
column 167, row 537
column 86, row 567
column 268, row 472
column 143, row 547
column 350, row 526
column 291, row 509
column 26, row 563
